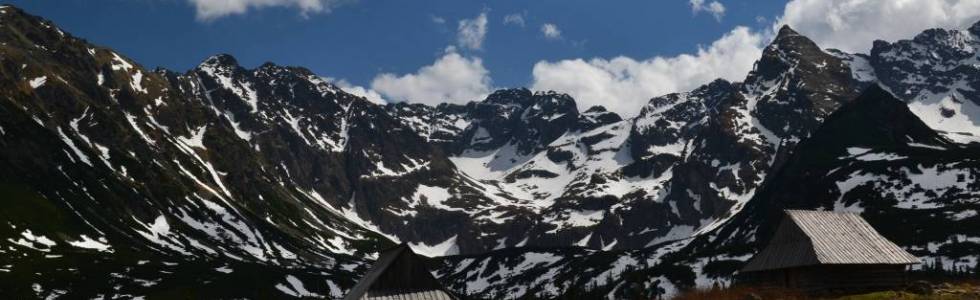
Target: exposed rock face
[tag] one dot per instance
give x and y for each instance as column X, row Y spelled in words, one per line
column 796, row 85
column 937, row 74
column 872, row 155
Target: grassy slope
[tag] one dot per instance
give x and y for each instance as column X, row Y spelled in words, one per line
column 941, row 291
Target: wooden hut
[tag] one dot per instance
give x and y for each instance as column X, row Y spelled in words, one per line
column 821, row 250
column 399, row 274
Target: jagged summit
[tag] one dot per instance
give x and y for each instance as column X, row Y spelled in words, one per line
column 551, row 93
column 929, row 72
column 808, row 82
column 221, row 60
column 511, row 95
column 790, row 42
column 268, row 65
column 596, row 109
column 785, row 31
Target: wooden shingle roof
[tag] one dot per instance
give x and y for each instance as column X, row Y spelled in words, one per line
column 399, row 274
column 806, row 238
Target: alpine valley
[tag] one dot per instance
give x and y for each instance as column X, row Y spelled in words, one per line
column 226, row 182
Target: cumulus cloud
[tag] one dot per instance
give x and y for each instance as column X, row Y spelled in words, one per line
column 852, row 25
column 451, row 78
column 515, row 19
column 714, row 8
column 624, row 84
column 207, row 10
column 551, row 31
column 471, row 32
column 356, row 90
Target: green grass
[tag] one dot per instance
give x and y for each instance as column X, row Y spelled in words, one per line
column 893, row 295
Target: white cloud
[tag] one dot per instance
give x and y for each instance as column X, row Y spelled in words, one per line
column 714, row 8
column 356, row 90
column 515, row 19
column 624, row 84
column 437, row 19
column 551, row 31
column 451, row 78
column 472, row 32
column 213, row 9
column 852, row 25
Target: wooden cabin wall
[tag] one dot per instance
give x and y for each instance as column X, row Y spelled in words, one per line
column 830, row 277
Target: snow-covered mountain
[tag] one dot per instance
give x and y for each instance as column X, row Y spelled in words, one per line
column 126, row 181
column 816, row 130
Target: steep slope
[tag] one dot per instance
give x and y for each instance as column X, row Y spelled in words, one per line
column 796, row 84
column 114, row 166
column 518, row 168
column 876, row 155
column 691, row 159
column 699, row 157
column 720, row 140
column 872, row 156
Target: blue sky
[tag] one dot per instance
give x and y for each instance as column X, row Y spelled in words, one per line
column 359, row 41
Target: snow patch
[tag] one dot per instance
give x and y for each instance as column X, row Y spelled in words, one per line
column 445, row 248
column 88, row 243
column 38, row 82
column 295, row 288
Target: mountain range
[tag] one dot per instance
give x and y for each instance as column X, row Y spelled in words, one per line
column 122, row 181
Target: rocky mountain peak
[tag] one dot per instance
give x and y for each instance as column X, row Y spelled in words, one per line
column 268, row 65
column 808, row 82
column 788, row 42
column 520, row 117
column 785, row 31
column 273, row 68
column 937, row 67
column 943, row 44
column 509, row 96
column 950, row 43
column 523, row 97
column 595, row 109
column 554, row 95
column 975, row 29
column 789, row 50
column 220, row 61
column 522, row 103
column 597, row 116
column 789, row 47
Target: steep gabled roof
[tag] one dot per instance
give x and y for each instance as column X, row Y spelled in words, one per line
column 399, row 274
column 807, row 238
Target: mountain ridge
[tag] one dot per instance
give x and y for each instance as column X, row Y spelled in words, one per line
column 274, row 169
